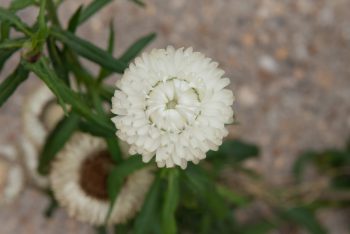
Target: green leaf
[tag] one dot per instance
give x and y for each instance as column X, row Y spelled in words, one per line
column 101, row 230
column 204, row 189
column 15, row 21
column 261, row 227
column 341, row 182
column 20, row 4
column 301, row 162
column 171, row 202
column 110, row 48
column 145, row 220
column 94, row 130
column 58, row 61
column 5, row 54
column 56, row 140
column 74, row 20
column 234, row 151
column 91, row 9
column 8, row 86
column 117, row 178
column 52, row 206
column 13, row 43
column 89, row 51
column 114, row 149
column 232, row 196
column 4, row 31
column 139, row 2
column 136, row 48
column 65, row 94
column 305, row 218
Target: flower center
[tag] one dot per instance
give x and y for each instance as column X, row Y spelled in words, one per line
column 172, row 105
column 94, row 174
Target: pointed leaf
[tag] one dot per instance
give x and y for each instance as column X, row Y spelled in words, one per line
column 305, row 218
column 89, row 51
column 146, row 218
column 56, row 140
column 15, row 21
column 13, row 43
column 74, row 20
column 94, row 130
column 139, row 2
column 234, row 151
column 136, row 48
column 5, row 54
column 57, row 59
column 8, row 86
column 91, row 9
column 114, row 149
column 65, row 95
column 20, row 4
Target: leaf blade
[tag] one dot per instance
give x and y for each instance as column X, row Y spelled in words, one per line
column 56, row 140
column 89, row 51
column 11, row 83
column 136, row 48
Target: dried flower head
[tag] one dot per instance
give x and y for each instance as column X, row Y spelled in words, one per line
column 79, row 182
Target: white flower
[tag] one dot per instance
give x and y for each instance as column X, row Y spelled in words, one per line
column 172, row 104
column 79, row 176
column 11, row 175
column 40, row 115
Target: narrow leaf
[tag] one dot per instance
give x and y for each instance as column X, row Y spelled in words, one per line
column 5, row 54
column 57, row 59
column 4, row 31
column 110, row 48
column 145, row 219
column 305, row 218
column 139, row 2
column 8, row 86
column 205, row 191
column 94, row 130
column 91, row 9
column 234, row 151
column 13, row 43
column 15, row 21
column 56, row 140
column 65, row 94
column 136, row 48
column 114, row 149
column 20, row 4
column 74, row 20
column 89, row 51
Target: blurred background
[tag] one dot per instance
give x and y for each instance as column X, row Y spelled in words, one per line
column 288, row 61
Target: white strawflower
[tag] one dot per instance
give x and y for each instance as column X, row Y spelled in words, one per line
column 172, row 104
column 79, row 181
column 11, row 175
column 40, row 115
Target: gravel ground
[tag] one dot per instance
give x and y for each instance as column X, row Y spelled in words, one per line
column 288, row 62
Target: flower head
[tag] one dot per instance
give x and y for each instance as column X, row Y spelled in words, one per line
column 172, row 104
column 79, row 182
